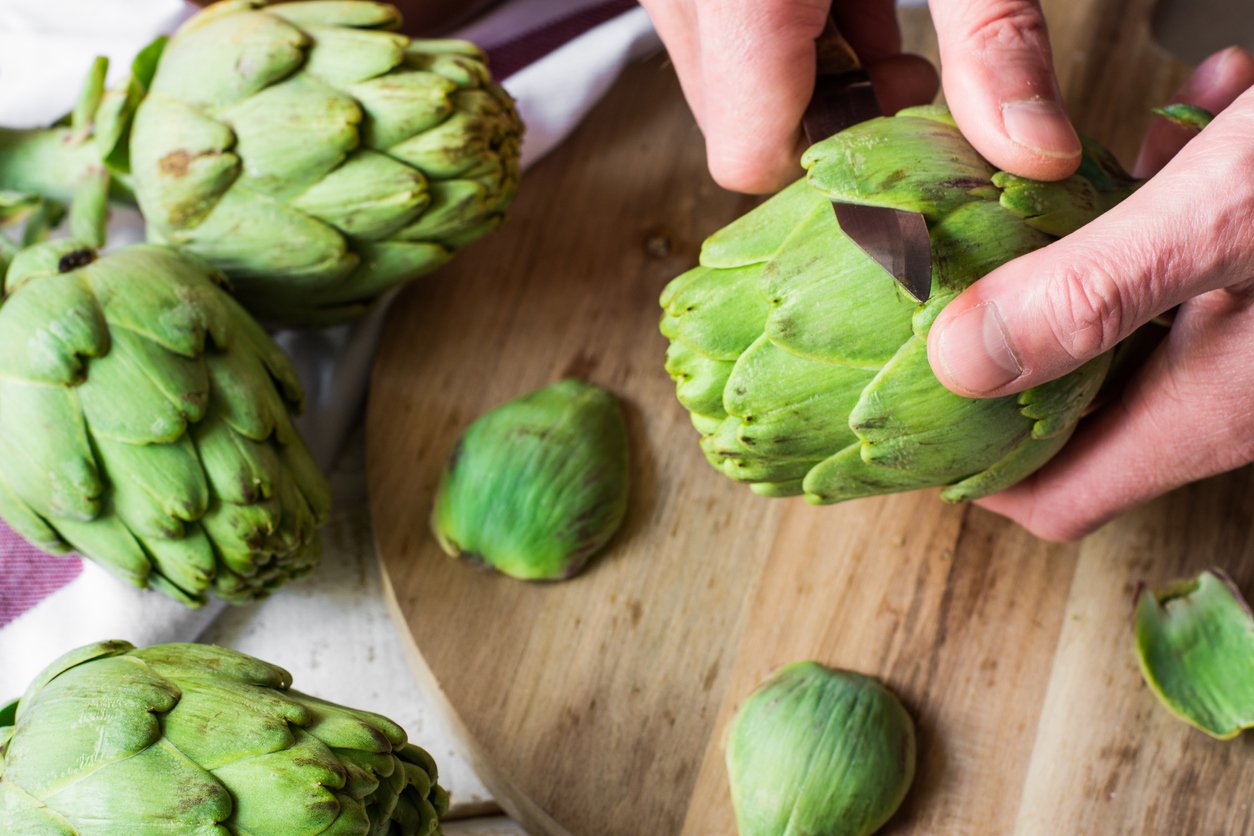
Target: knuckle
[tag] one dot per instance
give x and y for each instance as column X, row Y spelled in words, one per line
column 1086, row 310
column 1008, row 26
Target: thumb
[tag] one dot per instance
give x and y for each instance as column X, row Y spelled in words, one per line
column 1185, row 232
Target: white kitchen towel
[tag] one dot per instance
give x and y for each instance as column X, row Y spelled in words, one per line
column 557, row 57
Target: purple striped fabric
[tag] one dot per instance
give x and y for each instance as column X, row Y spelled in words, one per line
column 509, row 57
column 27, row 575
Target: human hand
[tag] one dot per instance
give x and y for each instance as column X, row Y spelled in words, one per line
column 1184, row 238
column 747, row 69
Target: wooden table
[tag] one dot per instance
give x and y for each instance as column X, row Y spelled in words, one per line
column 597, row 706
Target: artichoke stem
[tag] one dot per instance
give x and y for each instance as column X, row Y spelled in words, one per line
column 51, row 162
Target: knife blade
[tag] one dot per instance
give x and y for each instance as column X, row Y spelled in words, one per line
column 897, row 240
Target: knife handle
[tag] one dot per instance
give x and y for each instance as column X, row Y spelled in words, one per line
column 835, row 55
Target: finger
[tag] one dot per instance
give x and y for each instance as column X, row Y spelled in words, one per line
column 999, row 81
column 1187, row 231
column 903, row 81
column 676, row 25
column 757, row 76
column 1188, row 414
column 1214, row 85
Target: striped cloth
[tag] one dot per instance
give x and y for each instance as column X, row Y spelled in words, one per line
column 556, row 57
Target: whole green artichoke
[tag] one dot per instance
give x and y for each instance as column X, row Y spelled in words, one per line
column 804, row 366
column 146, row 423
column 184, row 738
column 316, row 157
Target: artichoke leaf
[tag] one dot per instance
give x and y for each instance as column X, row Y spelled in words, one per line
column 343, row 55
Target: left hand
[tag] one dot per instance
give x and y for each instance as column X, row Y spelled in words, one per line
column 1184, row 238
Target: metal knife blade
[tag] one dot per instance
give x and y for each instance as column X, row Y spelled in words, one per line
column 897, row 240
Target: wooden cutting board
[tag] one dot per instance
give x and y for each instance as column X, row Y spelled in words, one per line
column 597, row 706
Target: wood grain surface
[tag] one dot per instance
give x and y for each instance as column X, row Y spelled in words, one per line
column 597, row 706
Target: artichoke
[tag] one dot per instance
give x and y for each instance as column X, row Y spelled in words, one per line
column 538, row 485
column 819, row 752
column 185, row 738
column 146, row 422
column 318, row 158
column 805, row 368
column 1195, row 645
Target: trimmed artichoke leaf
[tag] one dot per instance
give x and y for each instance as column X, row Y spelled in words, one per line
column 699, row 381
column 227, row 53
column 352, row 13
column 292, row 134
column 1031, row 454
column 913, row 163
column 400, row 105
column 1056, row 208
column 368, row 197
column 758, row 235
column 973, row 240
column 182, row 161
column 1195, row 646
column 344, row 55
column 846, row 475
column 790, row 406
column 908, row 421
column 1056, row 406
column 716, row 313
column 832, row 301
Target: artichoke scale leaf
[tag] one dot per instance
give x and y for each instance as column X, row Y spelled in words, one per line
column 164, row 392
column 790, row 405
column 23, row 813
column 155, row 488
column 832, row 301
column 368, row 197
column 717, row 313
column 906, row 162
column 59, row 475
column 1024, row 460
column 758, row 235
column 847, row 475
column 351, row 13
column 460, row 62
column 292, row 134
column 1056, row 208
column 218, row 721
column 227, row 53
column 342, row 55
column 182, row 160
column 183, row 567
column 462, row 142
column 401, row 104
column 1057, row 406
column 779, row 490
column 28, row 522
column 973, row 240
column 245, row 399
column 110, row 543
column 382, row 265
column 49, row 328
column 298, row 783
column 1195, row 647
column 908, row 421
column 699, row 380
column 240, row 470
column 461, row 208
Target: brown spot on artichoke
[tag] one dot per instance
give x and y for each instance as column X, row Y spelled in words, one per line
column 538, row 485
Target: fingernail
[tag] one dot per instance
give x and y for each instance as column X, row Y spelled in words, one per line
column 976, row 351
column 1041, row 125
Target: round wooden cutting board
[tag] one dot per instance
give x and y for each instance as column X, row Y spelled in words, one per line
column 597, row 706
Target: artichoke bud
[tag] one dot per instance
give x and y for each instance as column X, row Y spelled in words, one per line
column 187, row 738
column 1195, row 645
column 538, row 485
column 803, row 366
column 819, row 752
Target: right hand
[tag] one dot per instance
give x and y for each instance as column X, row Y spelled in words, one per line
column 747, row 68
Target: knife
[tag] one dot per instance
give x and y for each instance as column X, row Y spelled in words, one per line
column 897, row 240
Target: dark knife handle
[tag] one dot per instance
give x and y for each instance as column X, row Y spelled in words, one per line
column 842, row 90
column 835, row 55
